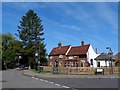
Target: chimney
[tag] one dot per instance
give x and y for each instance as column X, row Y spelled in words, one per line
column 59, row 45
column 82, row 43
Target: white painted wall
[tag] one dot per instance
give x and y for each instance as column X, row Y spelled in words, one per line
column 91, row 54
column 103, row 64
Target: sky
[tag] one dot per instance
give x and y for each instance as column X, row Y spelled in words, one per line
column 95, row 23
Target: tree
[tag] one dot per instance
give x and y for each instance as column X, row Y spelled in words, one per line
column 1, row 66
column 8, row 54
column 30, row 32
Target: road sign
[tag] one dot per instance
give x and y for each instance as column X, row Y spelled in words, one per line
column 55, row 70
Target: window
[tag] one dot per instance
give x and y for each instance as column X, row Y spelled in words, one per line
column 60, row 56
column 83, row 56
column 51, row 57
column 91, row 61
column 80, row 63
column 70, row 57
column 71, row 64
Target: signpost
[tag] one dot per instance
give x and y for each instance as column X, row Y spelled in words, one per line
column 55, row 68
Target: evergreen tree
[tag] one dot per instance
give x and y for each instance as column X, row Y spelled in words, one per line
column 30, row 32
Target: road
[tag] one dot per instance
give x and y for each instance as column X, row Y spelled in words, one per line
column 14, row 79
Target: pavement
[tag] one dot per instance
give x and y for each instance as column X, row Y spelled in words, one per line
column 47, row 75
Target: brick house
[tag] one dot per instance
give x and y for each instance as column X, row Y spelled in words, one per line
column 73, row 56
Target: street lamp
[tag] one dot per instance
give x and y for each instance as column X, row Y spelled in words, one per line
column 19, row 57
column 37, row 54
column 36, row 60
column 110, row 63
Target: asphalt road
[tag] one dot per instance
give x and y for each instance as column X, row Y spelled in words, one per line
column 14, row 79
column 86, row 82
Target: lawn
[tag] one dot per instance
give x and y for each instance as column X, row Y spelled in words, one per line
column 42, row 72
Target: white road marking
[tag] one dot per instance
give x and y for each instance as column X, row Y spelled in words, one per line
column 65, row 87
column 36, row 78
column 57, row 84
column 41, row 80
column 51, row 82
column 45, row 81
column 33, row 77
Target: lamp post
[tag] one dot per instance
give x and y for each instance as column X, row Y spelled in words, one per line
column 19, row 57
column 36, row 60
column 110, row 63
column 37, row 54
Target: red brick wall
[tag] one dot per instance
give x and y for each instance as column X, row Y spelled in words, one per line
column 65, row 59
column 56, row 58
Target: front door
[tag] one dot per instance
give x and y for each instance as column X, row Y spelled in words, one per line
column 98, row 65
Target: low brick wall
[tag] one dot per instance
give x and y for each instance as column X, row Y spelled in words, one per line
column 76, row 70
column 80, row 70
column 108, row 70
column 47, row 68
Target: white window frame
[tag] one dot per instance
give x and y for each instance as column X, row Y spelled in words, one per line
column 70, row 57
column 60, row 56
column 51, row 57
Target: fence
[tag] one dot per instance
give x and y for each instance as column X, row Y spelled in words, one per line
column 81, row 70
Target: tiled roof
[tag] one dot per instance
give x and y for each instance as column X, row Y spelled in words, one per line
column 118, row 55
column 105, row 56
column 79, row 50
column 59, row 51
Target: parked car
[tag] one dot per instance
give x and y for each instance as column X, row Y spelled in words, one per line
column 22, row 67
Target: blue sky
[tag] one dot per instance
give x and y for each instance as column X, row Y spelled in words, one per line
column 69, row 23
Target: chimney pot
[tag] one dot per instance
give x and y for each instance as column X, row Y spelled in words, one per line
column 59, row 45
column 82, row 43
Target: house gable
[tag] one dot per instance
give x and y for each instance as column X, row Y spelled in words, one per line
column 59, row 51
column 77, row 50
column 91, row 54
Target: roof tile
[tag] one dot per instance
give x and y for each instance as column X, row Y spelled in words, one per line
column 59, row 51
column 79, row 50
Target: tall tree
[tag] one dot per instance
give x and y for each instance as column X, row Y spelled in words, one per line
column 1, row 65
column 8, row 54
column 30, row 32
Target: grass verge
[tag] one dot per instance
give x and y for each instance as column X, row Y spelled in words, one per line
column 42, row 72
